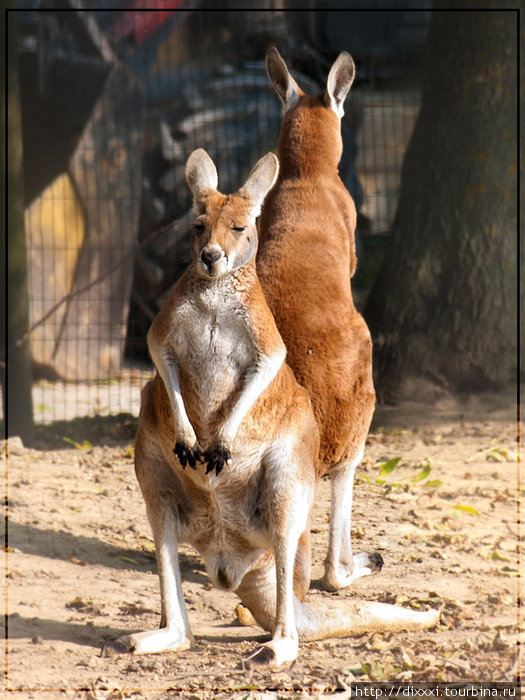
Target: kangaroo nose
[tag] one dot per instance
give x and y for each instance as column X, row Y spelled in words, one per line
column 210, row 256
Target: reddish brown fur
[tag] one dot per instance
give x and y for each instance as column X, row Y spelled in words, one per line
column 279, row 407
column 306, row 257
column 215, row 343
column 223, row 392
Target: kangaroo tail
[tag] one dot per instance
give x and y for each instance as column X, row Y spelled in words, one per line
column 326, row 619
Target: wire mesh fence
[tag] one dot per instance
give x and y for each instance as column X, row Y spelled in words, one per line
column 113, row 103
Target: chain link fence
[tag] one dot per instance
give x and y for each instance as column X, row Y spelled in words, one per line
column 113, row 102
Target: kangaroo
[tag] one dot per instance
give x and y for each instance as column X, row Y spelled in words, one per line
column 305, row 261
column 227, row 441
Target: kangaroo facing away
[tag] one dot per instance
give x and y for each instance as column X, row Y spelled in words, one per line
column 305, row 261
column 227, row 441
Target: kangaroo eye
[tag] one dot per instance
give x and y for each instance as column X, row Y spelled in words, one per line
column 199, row 227
column 238, row 229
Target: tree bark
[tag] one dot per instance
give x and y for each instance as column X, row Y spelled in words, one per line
column 444, row 306
column 18, row 408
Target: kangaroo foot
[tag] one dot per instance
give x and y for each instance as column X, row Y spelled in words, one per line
column 155, row 642
column 274, row 654
column 341, row 575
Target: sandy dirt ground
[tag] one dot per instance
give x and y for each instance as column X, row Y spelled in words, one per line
column 80, row 568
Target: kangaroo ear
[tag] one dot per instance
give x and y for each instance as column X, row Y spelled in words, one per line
column 339, row 82
column 260, row 181
column 280, row 78
column 201, row 176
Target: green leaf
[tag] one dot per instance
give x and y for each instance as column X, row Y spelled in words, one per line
column 434, row 600
column 129, row 560
column 80, row 446
column 496, row 556
column 366, row 668
column 466, row 509
column 379, row 673
column 388, row 467
column 79, row 603
column 356, row 670
column 422, row 474
column 434, row 482
column 497, row 455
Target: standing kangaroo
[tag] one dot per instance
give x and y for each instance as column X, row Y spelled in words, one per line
column 227, row 441
column 305, row 261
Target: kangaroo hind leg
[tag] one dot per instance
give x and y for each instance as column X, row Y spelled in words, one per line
column 268, row 589
column 342, row 567
column 325, row 618
column 159, row 490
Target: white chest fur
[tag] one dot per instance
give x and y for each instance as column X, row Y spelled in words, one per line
column 213, row 343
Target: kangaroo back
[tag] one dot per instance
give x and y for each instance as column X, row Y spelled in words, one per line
column 307, row 257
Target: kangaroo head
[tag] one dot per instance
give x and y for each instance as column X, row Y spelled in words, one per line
column 310, row 139
column 338, row 84
column 224, row 232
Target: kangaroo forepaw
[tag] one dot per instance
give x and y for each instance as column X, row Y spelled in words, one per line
column 188, row 455
column 217, row 458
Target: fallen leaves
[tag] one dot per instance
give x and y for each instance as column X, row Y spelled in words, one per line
column 483, row 655
column 134, row 609
column 460, row 508
column 407, row 481
column 75, row 560
column 83, row 605
column 84, row 445
column 508, row 571
column 466, row 565
column 78, row 603
column 388, row 466
column 495, row 454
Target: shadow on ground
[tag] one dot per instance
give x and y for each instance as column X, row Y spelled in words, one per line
column 89, row 551
column 96, row 430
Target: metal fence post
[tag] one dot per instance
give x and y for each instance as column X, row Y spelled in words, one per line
column 18, row 408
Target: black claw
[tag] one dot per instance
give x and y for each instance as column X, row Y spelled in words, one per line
column 182, row 459
column 216, row 459
column 187, row 455
column 377, row 560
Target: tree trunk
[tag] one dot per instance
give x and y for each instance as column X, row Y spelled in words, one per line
column 18, row 409
column 444, row 307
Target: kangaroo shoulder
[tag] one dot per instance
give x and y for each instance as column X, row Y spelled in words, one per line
column 262, row 322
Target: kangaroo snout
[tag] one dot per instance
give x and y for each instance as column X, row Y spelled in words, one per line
column 208, row 258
